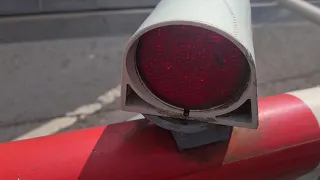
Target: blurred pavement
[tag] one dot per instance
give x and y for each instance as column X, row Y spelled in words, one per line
column 44, row 80
column 45, row 75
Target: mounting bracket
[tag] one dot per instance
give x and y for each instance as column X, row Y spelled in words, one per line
column 190, row 134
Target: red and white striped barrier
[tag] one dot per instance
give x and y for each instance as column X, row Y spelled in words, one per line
column 285, row 146
column 311, row 98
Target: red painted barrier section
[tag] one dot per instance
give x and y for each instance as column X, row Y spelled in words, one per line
column 53, row 157
column 285, row 146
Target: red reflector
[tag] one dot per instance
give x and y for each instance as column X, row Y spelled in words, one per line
column 191, row 67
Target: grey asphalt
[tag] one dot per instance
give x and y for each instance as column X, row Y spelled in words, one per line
column 45, row 79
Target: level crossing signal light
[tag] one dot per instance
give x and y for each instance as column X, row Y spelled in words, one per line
column 193, row 61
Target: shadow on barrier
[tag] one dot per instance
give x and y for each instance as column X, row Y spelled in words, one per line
column 286, row 146
column 141, row 150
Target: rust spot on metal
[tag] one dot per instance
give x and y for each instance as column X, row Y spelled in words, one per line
column 97, row 152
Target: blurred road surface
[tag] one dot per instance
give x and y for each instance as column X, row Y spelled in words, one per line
column 75, row 81
column 287, row 59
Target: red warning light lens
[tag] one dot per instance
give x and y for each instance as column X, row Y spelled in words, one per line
column 191, row 67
